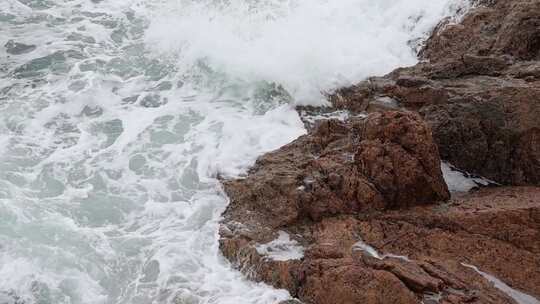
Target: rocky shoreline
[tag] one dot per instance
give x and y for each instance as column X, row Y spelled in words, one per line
column 358, row 210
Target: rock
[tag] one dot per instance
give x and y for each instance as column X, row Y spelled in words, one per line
column 482, row 124
column 336, row 282
column 359, row 166
column 494, row 28
column 398, row 156
column 478, row 89
column 387, row 160
column 420, row 251
column 412, row 275
column 363, row 198
column 497, row 230
column 494, row 135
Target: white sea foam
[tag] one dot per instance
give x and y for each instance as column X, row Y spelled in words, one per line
column 114, row 129
column 518, row 296
column 362, row 246
column 308, row 46
column 282, row 248
column 458, row 181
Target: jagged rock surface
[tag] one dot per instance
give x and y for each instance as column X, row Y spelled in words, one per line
column 351, row 181
column 376, row 179
column 479, row 89
column 422, row 251
column 386, row 160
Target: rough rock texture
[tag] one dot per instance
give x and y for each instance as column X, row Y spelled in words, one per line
column 365, row 200
column 496, row 27
column 379, row 162
column 373, row 179
column 479, row 89
column 423, row 251
column 386, row 160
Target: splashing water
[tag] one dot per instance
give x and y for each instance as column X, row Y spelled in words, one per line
column 116, row 116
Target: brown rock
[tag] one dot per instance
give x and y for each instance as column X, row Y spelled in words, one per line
column 479, row 90
column 337, row 179
column 377, row 180
column 334, row 282
column 422, row 251
column 397, row 155
column 388, row 160
column 496, row 27
column 497, row 230
column 385, row 161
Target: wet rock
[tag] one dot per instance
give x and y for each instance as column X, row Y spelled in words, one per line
column 416, row 252
column 364, row 198
column 398, row 156
column 387, row 160
column 494, row 135
column 497, row 230
column 411, row 274
column 352, row 167
column 337, row 282
column 478, row 89
column 494, row 28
